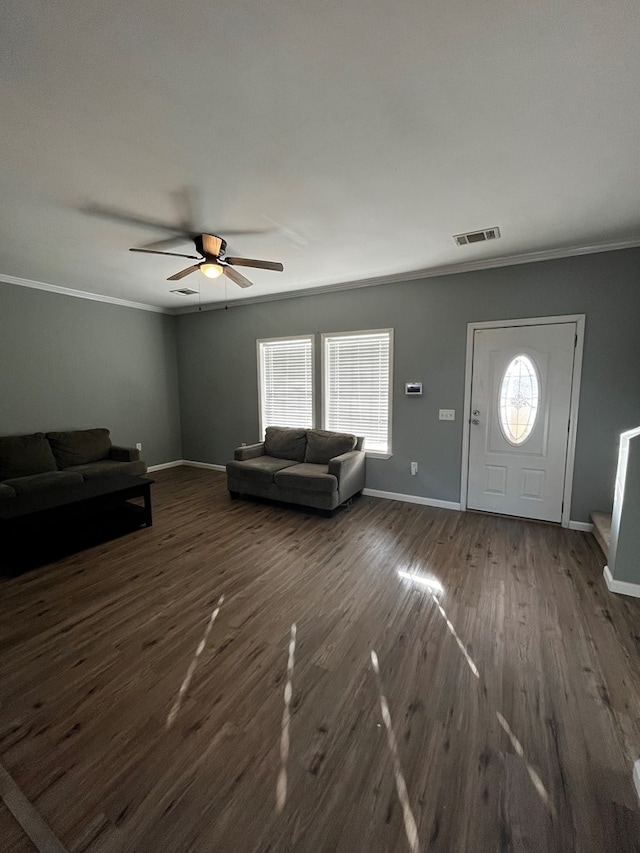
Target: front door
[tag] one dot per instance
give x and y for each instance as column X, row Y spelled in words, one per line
column 520, row 408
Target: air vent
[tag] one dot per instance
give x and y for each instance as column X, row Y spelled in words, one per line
column 476, row 236
column 186, row 291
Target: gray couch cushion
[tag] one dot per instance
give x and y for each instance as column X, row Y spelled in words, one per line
column 40, row 482
column 258, row 470
column 106, row 467
column 312, row 478
column 124, row 454
column 79, row 447
column 285, row 443
column 323, row 445
column 22, row 455
column 6, row 491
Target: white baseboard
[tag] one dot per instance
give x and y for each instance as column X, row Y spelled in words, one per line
column 585, row 526
column 178, row 462
column 207, row 465
column 411, row 499
column 636, row 777
column 391, row 496
column 621, row 587
column 175, row 464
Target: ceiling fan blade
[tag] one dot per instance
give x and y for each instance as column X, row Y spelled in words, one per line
column 177, row 276
column 166, row 242
column 236, row 277
column 173, row 254
column 130, row 218
column 176, row 230
column 211, row 244
column 228, row 232
column 251, row 262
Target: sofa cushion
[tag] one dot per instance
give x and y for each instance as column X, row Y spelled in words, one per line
column 285, row 443
column 323, row 445
column 307, row 476
column 41, row 482
column 22, row 455
column 106, row 467
column 258, row 470
column 6, row 491
column 80, row 446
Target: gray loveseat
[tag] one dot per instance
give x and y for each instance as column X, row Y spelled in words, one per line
column 310, row 467
column 31, row 463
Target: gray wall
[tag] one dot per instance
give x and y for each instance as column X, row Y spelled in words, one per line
column 218, row 373
column 69, row 363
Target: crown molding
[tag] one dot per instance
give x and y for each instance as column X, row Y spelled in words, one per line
column 415, row 275
column 81, row 294
column 318, row 290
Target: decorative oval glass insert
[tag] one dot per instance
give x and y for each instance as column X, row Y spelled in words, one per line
column 519, row 398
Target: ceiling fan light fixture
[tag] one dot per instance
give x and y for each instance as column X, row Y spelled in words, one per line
column 211, row 270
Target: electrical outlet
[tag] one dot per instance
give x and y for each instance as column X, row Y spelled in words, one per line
column 139, row 446
column 447, row 414
column 414, row 469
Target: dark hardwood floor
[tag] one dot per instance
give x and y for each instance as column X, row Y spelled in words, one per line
column 505, row 715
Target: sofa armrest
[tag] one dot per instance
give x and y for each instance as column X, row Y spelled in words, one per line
column 349, row 468
column 124, row 454
column 248, row 451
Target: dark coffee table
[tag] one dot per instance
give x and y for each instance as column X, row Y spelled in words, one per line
column 70, row 516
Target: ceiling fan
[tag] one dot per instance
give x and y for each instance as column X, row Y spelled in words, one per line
column 212, row 260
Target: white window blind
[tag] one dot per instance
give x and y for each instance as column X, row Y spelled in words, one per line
column 357, row 386
column 286, row 382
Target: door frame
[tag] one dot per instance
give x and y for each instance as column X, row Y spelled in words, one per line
column 579, row 320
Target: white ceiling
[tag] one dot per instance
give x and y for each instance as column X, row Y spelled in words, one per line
column 363, row 134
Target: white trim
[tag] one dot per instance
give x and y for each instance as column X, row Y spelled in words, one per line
column 82, row 294
column 579, row 320
column 175, row 464
column 584, row 526
column 410, row 275
column 636, row 777
column 208, row 465
column 621, row 587
column 411, row 499
column 415, row 275
column 576, row 385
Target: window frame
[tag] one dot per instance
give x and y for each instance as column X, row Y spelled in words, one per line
column 529, row 427
column 374, row 454
column 282, row 339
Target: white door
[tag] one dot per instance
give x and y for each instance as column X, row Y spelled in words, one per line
column 520, row 408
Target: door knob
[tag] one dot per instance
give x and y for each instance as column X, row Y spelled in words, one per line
column 475, row 421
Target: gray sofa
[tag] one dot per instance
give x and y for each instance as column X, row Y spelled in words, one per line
column 309, row 467
column 32, row 463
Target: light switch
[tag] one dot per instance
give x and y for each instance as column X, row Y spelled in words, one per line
column 447, row 414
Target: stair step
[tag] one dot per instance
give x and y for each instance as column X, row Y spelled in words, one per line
column 602, row 530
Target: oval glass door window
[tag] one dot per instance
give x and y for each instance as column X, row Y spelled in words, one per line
column 519, row 398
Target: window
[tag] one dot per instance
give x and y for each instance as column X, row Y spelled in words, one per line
column 357, row 386
column 285, row 382
column 519, row 399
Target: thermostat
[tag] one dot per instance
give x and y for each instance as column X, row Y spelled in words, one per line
column 413, row 388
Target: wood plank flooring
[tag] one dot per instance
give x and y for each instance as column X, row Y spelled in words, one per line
column 531, row 752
